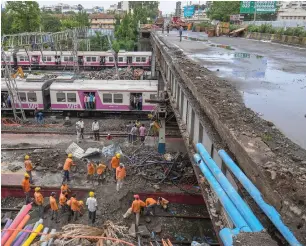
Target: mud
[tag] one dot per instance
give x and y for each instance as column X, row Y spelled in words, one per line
column 287, row 172
column 253, row 239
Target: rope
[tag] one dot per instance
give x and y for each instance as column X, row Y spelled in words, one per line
column 58, row 235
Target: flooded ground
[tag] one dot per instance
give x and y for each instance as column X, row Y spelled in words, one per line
column 271, row 77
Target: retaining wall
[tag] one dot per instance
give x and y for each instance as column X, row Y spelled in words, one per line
column 284, row 39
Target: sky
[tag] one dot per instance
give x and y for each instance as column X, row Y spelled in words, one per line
column 166, row 7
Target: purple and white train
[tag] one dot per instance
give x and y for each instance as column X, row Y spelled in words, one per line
column 109, row 95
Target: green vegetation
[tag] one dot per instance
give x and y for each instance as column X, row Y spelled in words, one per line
column 221, row 10
column 25, row 16
column 267, row 28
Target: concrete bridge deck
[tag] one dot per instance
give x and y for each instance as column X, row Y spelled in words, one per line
column 210, row 110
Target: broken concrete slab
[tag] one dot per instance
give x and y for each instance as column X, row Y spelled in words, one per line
column 143, row 231
column 157, row 228
column 132, row 230
column 75, row 150
column 148, row 220
column 6, row 216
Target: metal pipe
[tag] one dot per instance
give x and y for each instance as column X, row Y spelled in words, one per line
column 269, row 210
column 228, row 205
column 242, row 207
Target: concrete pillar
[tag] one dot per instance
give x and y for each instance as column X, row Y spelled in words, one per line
column 153, row 64
column 161, row 83
column 162, row 137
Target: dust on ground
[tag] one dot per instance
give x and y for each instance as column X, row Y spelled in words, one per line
column 253, row 239
column 287, row 172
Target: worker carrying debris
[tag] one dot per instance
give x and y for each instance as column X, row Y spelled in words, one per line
column 115, row 163
column 162, row 202
column 39, row 201
column 63, row 201
column 74, row 205
column 67, row 167
column 26, row 187
column 29, row 167
column 135, row 208
column 120, row 175
column 91, row 203
column 90, row 171
column 101, row 172
column 54, row 208
column 150, row 206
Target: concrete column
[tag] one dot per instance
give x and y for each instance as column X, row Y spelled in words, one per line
column 162, row 137
column 153, row 64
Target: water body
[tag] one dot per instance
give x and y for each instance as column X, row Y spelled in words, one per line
column 273, row 89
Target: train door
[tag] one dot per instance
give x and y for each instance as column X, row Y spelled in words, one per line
column 80, row 60
column 102, row 60
column 5, row 100
column 129, row 60
column 35, row 60
column 136, row 101
column 89, row 100
column 15, row 59
column 46, row 98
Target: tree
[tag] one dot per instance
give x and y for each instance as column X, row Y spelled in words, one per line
column 221, row 10
column 26, row 16
column 6, row 22
column 51, row 24
column 82, row 18
column 69, row 24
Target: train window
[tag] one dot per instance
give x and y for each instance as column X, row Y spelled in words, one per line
column 32, row 97
column 8, row 58
column 110, row 59
column 61, row 97
column 143, row 59
column 65, row 58
column 94, row 59
column 71, row 97
column 153, row 96
column 120, row 59
column 118, row 98
column 22, row 96
column 88, row 59
column 137, row 59
column 46, row 58
column 107, row 98
column 26, row 58
column 21, row 58
column 71, row 58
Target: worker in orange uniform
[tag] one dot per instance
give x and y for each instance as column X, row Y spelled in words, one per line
column 26, row 187
column 120, row 175
column 90, row 171
column 39, row 201
column 63, row 201
column 28, row 167
column 54, row 208
column 115, row 163
column 135, row 208
column 101, row 172
column 65, row 187
column 75, row 207
column 162, row 202
column 67, row 166
column 81, row 207
column 150, row 206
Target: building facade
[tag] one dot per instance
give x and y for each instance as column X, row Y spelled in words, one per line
column 294, row 10
column 102, row 21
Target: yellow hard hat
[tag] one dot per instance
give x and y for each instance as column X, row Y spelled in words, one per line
column 118, row 155
column 27, row 157
column 70, row 155
column 91, row 194
column 37, row 189
column 26, row 175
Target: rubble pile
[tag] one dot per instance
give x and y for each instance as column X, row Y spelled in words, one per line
column 110, row 74
column 172, row 168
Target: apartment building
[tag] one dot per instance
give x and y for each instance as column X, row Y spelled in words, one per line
column 102, row 21
column 294, row 10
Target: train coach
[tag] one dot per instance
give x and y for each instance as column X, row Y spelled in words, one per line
column 83, row 95
column 86, row 59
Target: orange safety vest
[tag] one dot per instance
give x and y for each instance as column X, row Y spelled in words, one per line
column 120, row 173
column 26, row 185
column 115, row 162
column 28, row 165
column 53, row 204
column 64, row 187
column 90, row 169
column 62, row 199
column 68, row 164
column 150, row 201
column 101, row 169
column 74, row 204
column 136, row 205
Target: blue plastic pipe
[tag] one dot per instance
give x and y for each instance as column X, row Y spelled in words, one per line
column 270, row 211
column 227, row 235
column 228, row 205
column 242, row 207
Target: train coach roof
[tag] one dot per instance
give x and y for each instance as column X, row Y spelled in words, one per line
column 102, row 86
column 129, row 82
column 134, row 53
column 22, row 85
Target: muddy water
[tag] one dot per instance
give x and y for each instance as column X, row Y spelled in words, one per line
column 268, row 87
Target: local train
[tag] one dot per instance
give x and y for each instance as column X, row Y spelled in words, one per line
column 106, row 95
column 86, row 59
